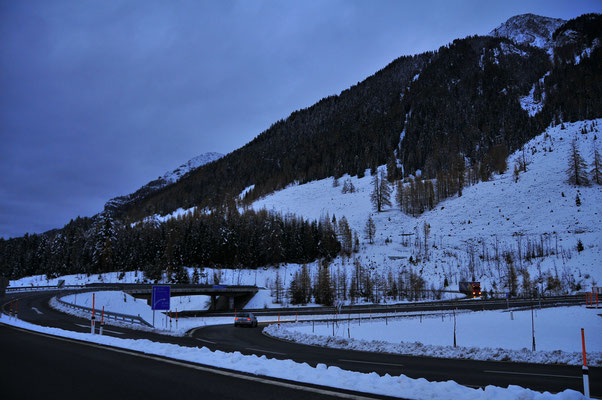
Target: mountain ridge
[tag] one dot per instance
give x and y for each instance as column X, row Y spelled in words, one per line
column 530, row 29
column 168, row 178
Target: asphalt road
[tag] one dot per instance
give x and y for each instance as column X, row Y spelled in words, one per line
column 33, row 307
column 36, row 366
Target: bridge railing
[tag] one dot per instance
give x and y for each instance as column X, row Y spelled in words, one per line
column 40, row 288
column 118, row 317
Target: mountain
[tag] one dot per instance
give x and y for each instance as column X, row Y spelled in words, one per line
column 439, row 124
column 530, row 29
column 425, row 112
column 167, row 179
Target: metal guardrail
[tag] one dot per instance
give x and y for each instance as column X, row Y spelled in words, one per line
column 134, row 319
column 40, row 288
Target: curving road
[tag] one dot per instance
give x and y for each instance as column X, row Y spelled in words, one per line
column 33, row 307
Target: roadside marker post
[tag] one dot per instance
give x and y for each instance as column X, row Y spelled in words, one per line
column 17, row 309
column 584, row 369
column 454, row 328
column 278, row 319
column 176, row 318
column 532, row 327
column 93, row 319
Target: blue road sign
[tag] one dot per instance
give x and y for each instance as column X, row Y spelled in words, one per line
column 160, row 299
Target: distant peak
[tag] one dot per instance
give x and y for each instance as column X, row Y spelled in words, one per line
column 531, row 29
column 191, row 164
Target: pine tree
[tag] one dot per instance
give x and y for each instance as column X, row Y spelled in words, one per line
column 346, row 237
column 399, row 195
column 577, row 168
column 381, row 192
column 196, row 276
column 370, row 229
column 460, row 170
column 324, row 292
column 595, row 171
column 392, row 169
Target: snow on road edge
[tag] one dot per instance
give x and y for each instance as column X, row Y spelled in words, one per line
column 419, row 349
column 397, row 386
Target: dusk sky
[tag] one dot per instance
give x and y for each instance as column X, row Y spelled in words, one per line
column 99, row 97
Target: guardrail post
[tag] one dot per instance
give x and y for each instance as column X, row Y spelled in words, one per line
column 454, row 328
column 532, row 327
column 584, row 369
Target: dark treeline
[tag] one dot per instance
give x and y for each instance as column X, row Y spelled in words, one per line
column 466, row 103
column 220, row 239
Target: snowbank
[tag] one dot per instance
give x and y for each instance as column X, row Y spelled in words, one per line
column 396, row 386
column 482, row 335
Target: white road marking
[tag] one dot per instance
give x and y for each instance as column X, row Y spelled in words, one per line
column 36, row 310
column 370, row 362
column 265, row 351
column 529, row 373
column 209, row 369
column 103, row 329
column 206, row 341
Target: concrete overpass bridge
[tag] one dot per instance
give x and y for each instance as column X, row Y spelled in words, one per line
column 223, row 297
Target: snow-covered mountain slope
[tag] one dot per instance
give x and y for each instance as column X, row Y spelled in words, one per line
column 530, row 29
column 194, row 163
column 167, row 179
column 480, row 233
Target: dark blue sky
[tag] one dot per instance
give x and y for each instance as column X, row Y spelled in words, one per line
column 99, row 97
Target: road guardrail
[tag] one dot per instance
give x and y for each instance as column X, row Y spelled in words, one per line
column 118, row 317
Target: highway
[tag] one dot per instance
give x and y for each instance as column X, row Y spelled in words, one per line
column 33, row 307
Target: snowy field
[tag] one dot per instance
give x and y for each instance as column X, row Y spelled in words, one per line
column 464, row 231
column 396, row 386
column 482, row 335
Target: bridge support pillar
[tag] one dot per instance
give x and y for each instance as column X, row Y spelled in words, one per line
column 231, row 303
column 212, row 303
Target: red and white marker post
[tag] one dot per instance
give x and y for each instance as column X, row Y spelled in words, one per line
column 584, row 369
column 93, row 320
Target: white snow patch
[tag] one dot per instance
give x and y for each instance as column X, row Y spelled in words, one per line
column 482, row 335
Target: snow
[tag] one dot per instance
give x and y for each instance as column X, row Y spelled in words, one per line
column 245, row 191
column 481, row 335
column 529, row 104
column 162, row 218
column 529, row 29
column 397, row 386
column 540, row 208
column 587, row 52
column 192, row 164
